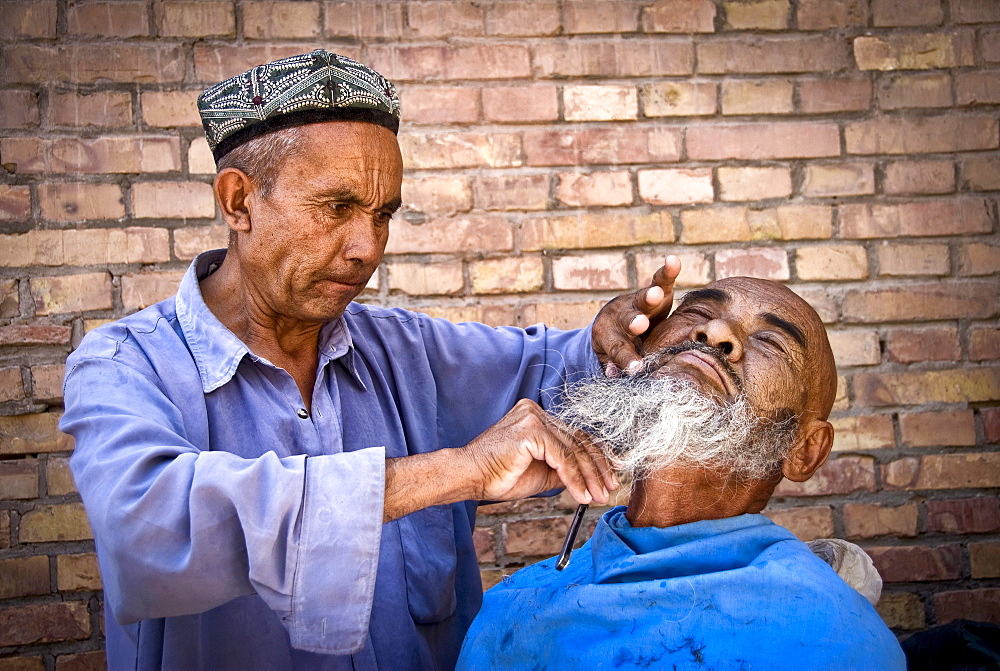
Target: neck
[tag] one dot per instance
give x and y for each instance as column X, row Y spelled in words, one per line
column 679, row 495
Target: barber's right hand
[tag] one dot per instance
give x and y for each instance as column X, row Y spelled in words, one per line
column 528, row 452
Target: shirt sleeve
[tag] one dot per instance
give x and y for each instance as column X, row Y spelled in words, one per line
column 182, row 530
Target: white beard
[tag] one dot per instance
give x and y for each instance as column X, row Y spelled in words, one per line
column 648, row 424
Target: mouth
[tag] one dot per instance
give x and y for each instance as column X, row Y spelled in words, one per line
column 708, row 362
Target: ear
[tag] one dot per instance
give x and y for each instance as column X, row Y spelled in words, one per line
column 232, row 189
column 815, row 443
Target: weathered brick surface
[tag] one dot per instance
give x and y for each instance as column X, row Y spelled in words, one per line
column 979, row 605
column 24, row 576
column 910, row 564
column 78, row 572
column 902, row 610
column 141, row 290
column 595, row 230
column 869, row 521
column 952, row 428
column 71, row 293
column 911, row 345
column 19, row 479
column 936, row 217
column 904, row 260
column 837, row 476
column 511, row 275
column 915, row 90
column 59, row 522
column 943, row 471
column 762, row 262
column 863, row 432
column 920, row 301
column 591, row 272
column 109, row 109
column 44, row 623
column 423, row 278
column 964, row 516
column 984, row 559
column 808, row 523
column 543, row 536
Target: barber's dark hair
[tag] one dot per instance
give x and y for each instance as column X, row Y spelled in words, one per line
column 262, row 157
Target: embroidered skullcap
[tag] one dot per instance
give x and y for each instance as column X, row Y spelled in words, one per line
column 313, row 87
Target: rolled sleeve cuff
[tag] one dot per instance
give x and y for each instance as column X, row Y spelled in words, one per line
column 339, row 550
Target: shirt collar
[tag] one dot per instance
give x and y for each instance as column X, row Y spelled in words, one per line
column 217, row 351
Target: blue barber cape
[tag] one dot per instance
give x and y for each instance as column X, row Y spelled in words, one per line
column 736, row 593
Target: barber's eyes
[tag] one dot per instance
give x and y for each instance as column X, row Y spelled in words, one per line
column 383, row 218
column 771, row 341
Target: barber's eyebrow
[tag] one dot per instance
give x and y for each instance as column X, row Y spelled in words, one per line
column 786, row 326
column 349, row 196
column 714, row 295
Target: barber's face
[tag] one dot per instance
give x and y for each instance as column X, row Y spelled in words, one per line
column 755, row 336
column 318, row 236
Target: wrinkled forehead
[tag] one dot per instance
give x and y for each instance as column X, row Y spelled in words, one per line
column 748, row 298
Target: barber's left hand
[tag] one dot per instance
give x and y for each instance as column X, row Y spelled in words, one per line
column 620, row 325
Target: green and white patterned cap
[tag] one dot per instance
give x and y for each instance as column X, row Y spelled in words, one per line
column 311, row 88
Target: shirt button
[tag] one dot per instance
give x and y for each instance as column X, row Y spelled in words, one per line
column 302, row 413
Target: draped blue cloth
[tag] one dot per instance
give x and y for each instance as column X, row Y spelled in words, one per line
column 735, row 593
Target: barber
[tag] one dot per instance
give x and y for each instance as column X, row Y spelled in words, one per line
column 278, row 477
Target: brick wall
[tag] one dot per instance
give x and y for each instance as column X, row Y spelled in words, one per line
column 556, row 151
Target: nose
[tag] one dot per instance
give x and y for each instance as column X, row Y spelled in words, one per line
column 365, row 241
column 721, row 335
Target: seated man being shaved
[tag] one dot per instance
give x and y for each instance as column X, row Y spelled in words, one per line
column 735, row 395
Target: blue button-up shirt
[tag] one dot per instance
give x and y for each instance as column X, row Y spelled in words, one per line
column 235, row 530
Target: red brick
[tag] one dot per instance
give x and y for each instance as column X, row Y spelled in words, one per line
column 596, row 188
column 364, row 19
column 913, row 51
column 522, row 18
column 426, row 63
column 437, row 194
column 95, row 660
column 587, row 16
column 91, row 63
column 512, row 192
column 920, row 301
column 907, row 177
column 58, row 476
column 982, row 173
column 24, row 576
column 141, row 290
column 11, row 386
column 518, row 104
column 989, row 45
column 822, row 96
column 841, row 179
column 44, row 623
column 978, row 259
column 460, row 150
column 170, row 109
column 492, row 315
column 594, row 272
column 929, row 217
column 80, row 201
column 117, row 155
column 485, row 544
column 943, row 471
column 15, row 202
column 595, row 229
column 679, row 16
column 695, row 269
column 678, row 99
column 978, row 605
column 444, row 19
column 792, row 222
column 108, row 19
column 615, row 145
column 771, row 55
column 439, row 104
column 917, row 564
column 952, row 428
column 765, row 262
column 200, row 160
column 907, row 260
column 424, row 278
column 975, row 11
column 269, row 20
column 173, row 200
column 78, row 572
column 22, row 664
column 60, row 522
column 913, row 388
column 214, row 62
column 869, row 521
column 977, row 88
column 842, row 475
column 980, row 515
column 915, row 90
column 195, row 18
column 754, row 183
column 757, row 14
column 863, row 432
column 763, row 140
column 4, row 528
column 613, row 58
column 20, row 481
column 984, row 343
column 454, row 234
column 825, row 14
column 924, row 135
column 600, row 103
column 562, row 315
column 10, row 302
column 901, row 610
column 35, row 334
column 991, row 424
column 98, row 109
column 46, row 381
column 543, row 536
column 676, row 186
column 71, row 293
column 741, row 96
column 927, row 344
column 27, row 154
column 984, row 559
column 35, row 19
column 20, row 109
column 855, row 347
column 807, row 523
column 516, row 274
column 838, row 262
column 892, row 13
